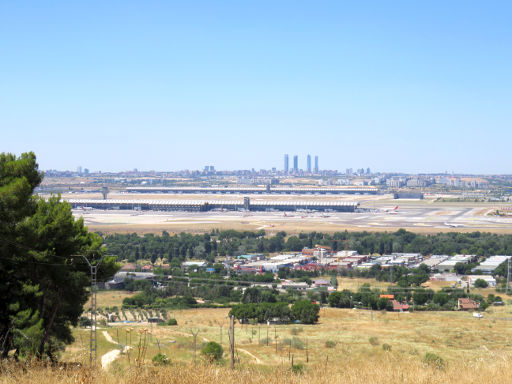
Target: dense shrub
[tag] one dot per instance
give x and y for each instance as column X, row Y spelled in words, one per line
column 433, row 360
column 160, row 359
column 212, row 351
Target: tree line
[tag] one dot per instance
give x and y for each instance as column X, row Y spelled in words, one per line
column 176, row 248
column 303, row 311
column 422, row 298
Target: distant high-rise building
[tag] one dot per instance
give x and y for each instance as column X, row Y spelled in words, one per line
column 79, row 170
column 286, row 164
column 86, row 171
column 309, row 163
column 295, row 163
column 316, row 164
column 368, row 171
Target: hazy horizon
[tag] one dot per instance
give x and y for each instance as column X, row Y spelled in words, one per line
column 397, row 87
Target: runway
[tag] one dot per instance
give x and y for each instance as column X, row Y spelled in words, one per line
column 376, row 215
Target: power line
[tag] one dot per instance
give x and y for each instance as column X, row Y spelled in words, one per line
column 93, row 341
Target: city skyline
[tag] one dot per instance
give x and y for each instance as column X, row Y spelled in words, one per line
column 403, row 87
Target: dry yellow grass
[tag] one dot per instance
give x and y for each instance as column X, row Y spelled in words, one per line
column 474, row 350
column 455, row 336
column 355, row 283
column 380, row 369
column 110, row 298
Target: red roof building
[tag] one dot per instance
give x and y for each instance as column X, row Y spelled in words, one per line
column 466, row 304
column 129, row 267
column 399, row 307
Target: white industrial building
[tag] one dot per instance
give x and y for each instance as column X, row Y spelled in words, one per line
column 491, row 281
column 276, row 263
column 448, row 265
column 432, row 261
column 489, row 265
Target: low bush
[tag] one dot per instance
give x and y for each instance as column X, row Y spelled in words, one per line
column 160, row 359
column 330, row 344
column 212, row 351
column 298, row 368
column 386, row 347
column 433, row 360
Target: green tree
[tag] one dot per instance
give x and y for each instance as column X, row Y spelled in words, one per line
column 305, row 311
column 421, row 296
column 55, row 238
column 481, row 283
column 459, row 268
column 43, row 286
column 340, row 299
column 18, row 178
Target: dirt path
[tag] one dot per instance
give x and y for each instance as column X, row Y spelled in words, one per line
column 258, row 361
column 108, row 337
column 110, row 356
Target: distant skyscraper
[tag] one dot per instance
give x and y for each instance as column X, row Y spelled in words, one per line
column 79, row 170
column 286, row 164
column 295, row 163
column 316, row 164
column 309, row 163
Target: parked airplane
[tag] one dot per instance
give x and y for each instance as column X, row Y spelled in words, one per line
column 85, row 208
column 391, row 210
column 452, row 225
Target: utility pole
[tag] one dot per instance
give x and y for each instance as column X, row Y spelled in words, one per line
column 93, row 341
column 195, row 343
column 275, row 337
column 232, row 341
column 508, row 275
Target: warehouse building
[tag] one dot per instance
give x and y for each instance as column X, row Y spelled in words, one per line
column 488, row 266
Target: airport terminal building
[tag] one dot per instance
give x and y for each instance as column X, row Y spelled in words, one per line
column 218, row 205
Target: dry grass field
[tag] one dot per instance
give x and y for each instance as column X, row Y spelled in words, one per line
column 366, row 347
column 357, row 335
column 347, row 346
column 110, row 298
column 379, row 369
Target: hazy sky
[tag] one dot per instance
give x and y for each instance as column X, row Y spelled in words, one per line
column 391, row 85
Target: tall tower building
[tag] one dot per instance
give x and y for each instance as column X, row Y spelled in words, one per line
column 286, row 164
column 295, row 163
column 316, row 164
column 309, row 164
